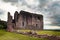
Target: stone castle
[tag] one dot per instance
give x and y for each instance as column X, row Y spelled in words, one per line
column 25, row 20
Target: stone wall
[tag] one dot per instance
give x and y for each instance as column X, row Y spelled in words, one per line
column 9, row 23
column 28, row 20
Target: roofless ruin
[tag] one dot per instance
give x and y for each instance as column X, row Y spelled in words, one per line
column 25, row 20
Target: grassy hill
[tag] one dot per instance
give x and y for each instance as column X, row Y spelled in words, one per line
column 48, row 32
column 13, row 36
column 4, row 35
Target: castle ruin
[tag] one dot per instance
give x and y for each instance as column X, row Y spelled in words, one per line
column 25, row 20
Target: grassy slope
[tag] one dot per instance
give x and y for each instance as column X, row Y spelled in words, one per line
column 54, row 33
column 50, row 32
column 13, row 36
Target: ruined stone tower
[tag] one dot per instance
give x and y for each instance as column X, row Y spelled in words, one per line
column 9, row 23
column 25, row 20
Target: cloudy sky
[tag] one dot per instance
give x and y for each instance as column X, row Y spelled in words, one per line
column 50, row 9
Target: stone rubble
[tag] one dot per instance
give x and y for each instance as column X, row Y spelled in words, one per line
column 34, row 34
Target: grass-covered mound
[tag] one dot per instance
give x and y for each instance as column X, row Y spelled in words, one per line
column 13, row 36
column 45, row 32
column 51, row 32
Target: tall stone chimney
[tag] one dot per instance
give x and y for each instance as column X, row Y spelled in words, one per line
column 9, row 23
column 16, row 16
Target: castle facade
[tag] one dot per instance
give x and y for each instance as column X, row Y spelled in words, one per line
column 25, row 20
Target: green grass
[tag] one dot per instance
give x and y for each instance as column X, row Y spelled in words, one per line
column 48, row 32
column 13, row 36
column 4, row 35
column 54, row 33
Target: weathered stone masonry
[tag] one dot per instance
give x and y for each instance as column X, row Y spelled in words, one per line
column 25, row 20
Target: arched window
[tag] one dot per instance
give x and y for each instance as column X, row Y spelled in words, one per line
column 36, row 25
column 22, row 23
column 38, row 17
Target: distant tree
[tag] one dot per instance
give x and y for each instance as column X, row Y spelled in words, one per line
column 3, row 24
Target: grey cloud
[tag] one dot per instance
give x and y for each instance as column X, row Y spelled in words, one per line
column 10, row 1
column 54, row 9
column 1, row 12
column 39, row 7
column 23, row 2
column 43, row 3
column 13, row 2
